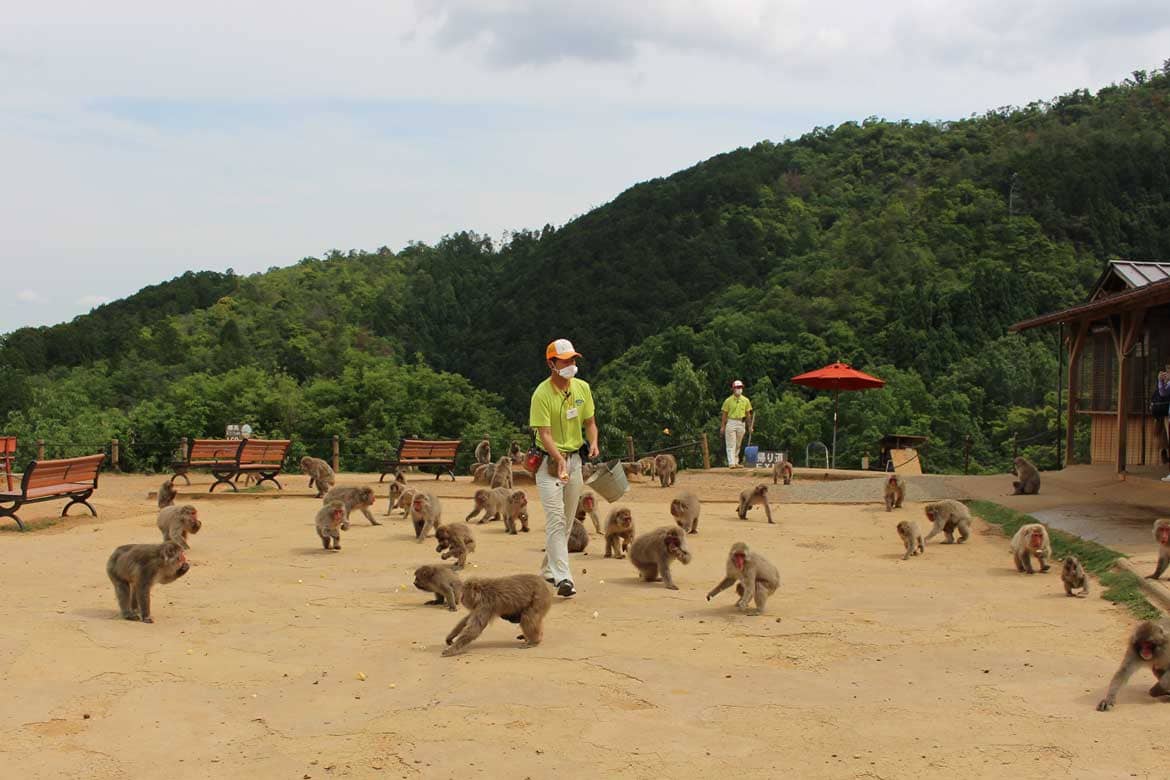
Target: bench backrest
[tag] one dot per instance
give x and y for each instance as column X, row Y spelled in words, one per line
column 422, row 448
column 265, row 451
column 7, row 446
column 213, row 449
column 46, row 473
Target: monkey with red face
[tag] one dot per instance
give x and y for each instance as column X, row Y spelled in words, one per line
column 755, row 576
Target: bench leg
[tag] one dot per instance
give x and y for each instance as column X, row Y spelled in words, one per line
column 269, row 476
column 451, row 471
column 80, row 498
column 182, row 474
column 10, row 511
column 223, row 478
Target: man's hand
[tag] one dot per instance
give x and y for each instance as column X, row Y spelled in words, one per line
column 562, row 469
column 593, row 451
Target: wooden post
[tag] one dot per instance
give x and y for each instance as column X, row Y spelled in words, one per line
column 40, row 449
column 1077, row 344
column 182, row 448
column 114, row 454
column 966, row 454
column 630, row 447
column 336, row 453
column 1122, row 412
column 706, row 452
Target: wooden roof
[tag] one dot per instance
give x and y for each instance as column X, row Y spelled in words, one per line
column 1152, row 294
column 1121, row 275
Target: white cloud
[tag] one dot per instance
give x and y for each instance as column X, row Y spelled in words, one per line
column 30, row 296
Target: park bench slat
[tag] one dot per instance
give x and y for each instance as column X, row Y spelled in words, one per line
column 424, row 452
column 227, row 459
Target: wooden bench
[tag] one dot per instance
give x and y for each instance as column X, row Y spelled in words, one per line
column 228, row 459
column 7, row 457
column 46, row 480
column 422, row 452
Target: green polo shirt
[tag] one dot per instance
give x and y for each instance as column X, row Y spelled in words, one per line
column 737, row 408
column 564, row 414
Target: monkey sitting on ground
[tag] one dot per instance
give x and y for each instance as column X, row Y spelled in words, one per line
column 516, row 453
column 578, row 537
column 135, row 568
column 521, row 598
column 1028, row 483
column 176, row 522
column 757, row 496
column 782, row 471
column 354, row 498
column 946, row 516
column 647, row 465
column 895, row 491
column 651, row 553
column 426, row 513
column 1072, row 574
column 441, row 581
column 619, row 527
column 1149, row 644
column 483, row 451
column 330, row 522
column 1162, row 537
column 166, row 494
column 502, row 476
column 911, row 537
column 320, row 474
column 483, row 473
column 666, row 467
column 1031, row 539
column 397, row 488
column 587, row 505
column 515, row 509
column 455, row 541
column 757, row 578
column 685, row 511
column 490, row 502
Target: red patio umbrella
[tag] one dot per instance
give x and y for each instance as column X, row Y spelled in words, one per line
column 837, row 377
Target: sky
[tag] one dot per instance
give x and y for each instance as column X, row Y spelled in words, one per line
column 138, row 142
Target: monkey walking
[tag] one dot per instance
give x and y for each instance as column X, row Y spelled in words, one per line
column 911, row 537
column 516, row 510
column 330, row 521
column 441, row 581
column 1072, row 574
column 1028, row 482
column 176, row 522
column 895, row 491
column 753, row 575
column 1148, row 644
column 1031, row 539
column 426, row 514
column 757, row 496
column 619, row 528
column 521, row 598
column 483, row 474
column 166, row 494
column 1162, row 537
column 135, row 568
column 651, row 554
column 354, row 498
column 397, row 488
column 946, row 517
column 782, row 471
column 666, row 467
column 685, row 511
column 320, row 474
column 490, row 502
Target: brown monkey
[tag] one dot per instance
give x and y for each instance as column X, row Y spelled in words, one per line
column 515, row 509
column 632, row 469
column 619, row 526
column 397, row 488
column 1072, row 574
column 490, row 502
column 757, row 496
column 502, row 476
column 354, row 498
column 1162, row 537
column 1149, row 644
column 647, row 465
column 441, row 581
column 483, row 451
column 516, row 453
column 1029, row 478
column 911, row 537
column 685, row 510
column 455, row 541
column 782, row 471
column 587, row 505
column 666, row 467
column 587, row 471
column 652, row 552
column 946, row 516
column 756, row 577
column 521, row 598
column 135, row 568
column 320, row 474
column 426, row 513
column 1031, row 539
column 331, row 521
column 895, row 492
column 483, row 473
column 176, row 522
column 166, row 494
column 578, row 537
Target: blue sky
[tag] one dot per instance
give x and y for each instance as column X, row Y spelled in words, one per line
column 138, row 142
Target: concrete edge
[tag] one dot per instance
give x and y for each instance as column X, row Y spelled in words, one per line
column 1157, row 592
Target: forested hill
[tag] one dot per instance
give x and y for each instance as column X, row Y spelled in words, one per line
column 906, row 249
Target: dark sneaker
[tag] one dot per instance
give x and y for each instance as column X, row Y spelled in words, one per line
column 550, row 581
column 565, row 588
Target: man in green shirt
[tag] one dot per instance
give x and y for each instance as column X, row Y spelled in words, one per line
column 737, row 418
column 561, row 416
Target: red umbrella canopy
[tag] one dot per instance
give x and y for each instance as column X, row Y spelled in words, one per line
column 838, row 376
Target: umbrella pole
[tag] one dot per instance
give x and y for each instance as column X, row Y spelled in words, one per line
column 836, row 397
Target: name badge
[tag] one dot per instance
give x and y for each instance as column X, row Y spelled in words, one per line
column 571, row 412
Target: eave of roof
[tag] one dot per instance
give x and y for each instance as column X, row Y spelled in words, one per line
column 1153, row 294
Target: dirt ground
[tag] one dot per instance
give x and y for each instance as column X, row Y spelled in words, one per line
column 949, row 664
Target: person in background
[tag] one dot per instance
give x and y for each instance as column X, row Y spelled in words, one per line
column 736, row 421
column 1159, row 409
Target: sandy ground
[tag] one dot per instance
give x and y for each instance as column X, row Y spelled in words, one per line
column 949, row 664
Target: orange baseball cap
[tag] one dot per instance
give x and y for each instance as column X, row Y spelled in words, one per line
column 561, row 349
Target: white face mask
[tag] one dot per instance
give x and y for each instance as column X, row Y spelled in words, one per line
column 568, row 372
column 737, row 391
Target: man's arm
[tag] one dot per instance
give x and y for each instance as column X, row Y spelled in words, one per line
column 591, row 435
column 722, row 422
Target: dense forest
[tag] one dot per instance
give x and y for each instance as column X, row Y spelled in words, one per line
column 906, row 249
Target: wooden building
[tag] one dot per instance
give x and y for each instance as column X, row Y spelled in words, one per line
column 1117, row 342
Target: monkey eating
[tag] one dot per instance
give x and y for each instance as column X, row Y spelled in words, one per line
column 651, row 554
column 330, row 522
column 426, row 513
column 946, row 517
column 619, row 527
column 1072, row 574
column 587, row 505
column 166, row 494
column 176, row 522
column 685, row 511
column 521, row 598
column 666, row 467
column 911, row 537
column 320, row 474
column 757, row 496
column 135, row 568
column 455, row 541
column 895, row 491
column 441, row 581
column 1162, row 537
column 1028, row 482
column 354, row 498
column 755, row 577
column 1031, row 539
column 1148, row 644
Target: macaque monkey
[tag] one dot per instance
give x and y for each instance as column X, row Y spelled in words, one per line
column 782, row 471
column 632, row 469
column 666, row 467
column 516, row 453
column 757, row 496
column 619, row 527
column 1162, row 537
column 354, row 498
column 911, row 537
column 441, row 581
column 754, row 576
column 647, row 465
column 405, row 500
column 397, row 488
column 455, row 541
column 895, row 491
column 587, row 505
column 946, row 516
column 578, row 537
column 483, row 473
column 1029, row 478
column 426, row 513
column 588, row 470
column 502, row 476
column 166, row 494
column 651, row 553
column 1031, row 539
column 320, row 474
column 176, row 522
column 521, row 598
column 1072, row 574
column 331, row 521
column 483, row 451
column 516, row 510
column 1149, row 644
column 490, row 503
column 685, row 511
column 135, row 568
